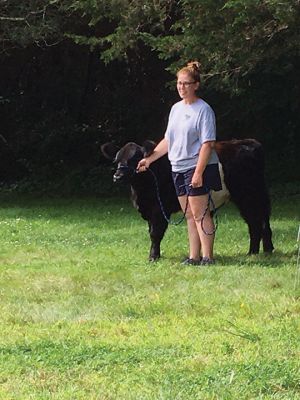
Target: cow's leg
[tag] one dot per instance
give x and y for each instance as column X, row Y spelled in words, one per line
column 267, row 237
column 253, row 219
column 255, row 232
column 157, row 228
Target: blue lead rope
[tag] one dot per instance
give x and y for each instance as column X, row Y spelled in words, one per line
column 169, row 221
column 215, row 215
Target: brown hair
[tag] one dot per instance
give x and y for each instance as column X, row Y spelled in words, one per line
column 193, row 69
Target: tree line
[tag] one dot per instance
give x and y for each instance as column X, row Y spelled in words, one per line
column 76, row 73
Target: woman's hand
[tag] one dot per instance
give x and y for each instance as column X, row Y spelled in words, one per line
column 160, row 150
column 143, row 165
column 197, row 180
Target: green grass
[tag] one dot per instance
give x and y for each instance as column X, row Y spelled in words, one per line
column 85, row 316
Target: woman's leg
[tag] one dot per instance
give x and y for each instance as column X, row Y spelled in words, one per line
column 198, row 205
column 193, row 235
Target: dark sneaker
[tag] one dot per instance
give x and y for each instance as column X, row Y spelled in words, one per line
column 191, row 261
column 207, row 261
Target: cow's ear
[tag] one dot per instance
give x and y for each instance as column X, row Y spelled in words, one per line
column 109, row 150
column 148, row 147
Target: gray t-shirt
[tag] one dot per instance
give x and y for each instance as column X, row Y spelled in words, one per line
column 189, row 126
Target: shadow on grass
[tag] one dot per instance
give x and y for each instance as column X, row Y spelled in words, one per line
column 277, row 259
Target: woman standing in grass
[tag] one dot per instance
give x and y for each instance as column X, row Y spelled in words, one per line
column 189, row 141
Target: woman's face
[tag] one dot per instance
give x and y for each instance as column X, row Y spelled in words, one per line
column 186, row 86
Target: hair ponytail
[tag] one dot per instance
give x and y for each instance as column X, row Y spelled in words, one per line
column 193, row 69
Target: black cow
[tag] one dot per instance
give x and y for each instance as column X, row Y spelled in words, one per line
column 242, row 163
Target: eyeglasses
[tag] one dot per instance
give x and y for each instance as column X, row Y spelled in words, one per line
column 185, row 84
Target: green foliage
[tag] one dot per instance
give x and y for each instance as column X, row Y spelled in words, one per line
column 85, row 316
column 231, row 38
column 30, row 22
column 120, row 25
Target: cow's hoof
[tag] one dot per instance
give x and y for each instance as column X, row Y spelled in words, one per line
column 252, row 253
column 154, row 258
column 268, row 251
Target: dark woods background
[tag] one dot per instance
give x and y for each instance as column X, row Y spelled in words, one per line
column 75, row 74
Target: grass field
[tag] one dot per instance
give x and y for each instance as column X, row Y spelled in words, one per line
column 85, row 316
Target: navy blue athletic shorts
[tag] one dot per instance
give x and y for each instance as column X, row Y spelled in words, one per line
column 211, row 181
